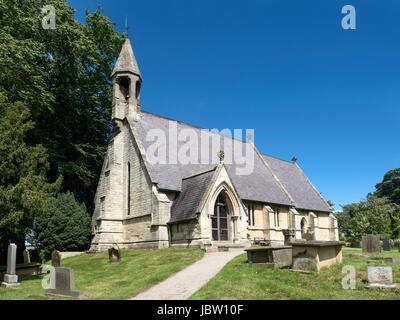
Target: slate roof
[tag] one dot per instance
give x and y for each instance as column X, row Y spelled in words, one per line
column 192, row 191
column 296, row 183
column 260, row 185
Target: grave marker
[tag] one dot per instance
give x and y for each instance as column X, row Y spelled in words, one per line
column 56, row 259
column 381, row 277
column 64, row 284
column 10, row 278
column 371, row 244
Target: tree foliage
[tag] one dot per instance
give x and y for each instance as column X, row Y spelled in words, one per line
column 390, row 186
column 63, row 77
column 63, row 225
column 23, row 167
column 370, row 216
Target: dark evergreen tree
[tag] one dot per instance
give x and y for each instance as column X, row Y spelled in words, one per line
column 23, row 167
column 63, row 225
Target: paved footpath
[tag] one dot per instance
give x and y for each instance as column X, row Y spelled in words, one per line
column 186, row 282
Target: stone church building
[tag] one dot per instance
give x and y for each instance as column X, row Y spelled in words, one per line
column 142, row 203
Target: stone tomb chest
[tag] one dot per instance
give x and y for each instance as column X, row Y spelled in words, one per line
column 314, row 255
column 272, row 257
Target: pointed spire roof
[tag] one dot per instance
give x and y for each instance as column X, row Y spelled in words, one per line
column 126, row 61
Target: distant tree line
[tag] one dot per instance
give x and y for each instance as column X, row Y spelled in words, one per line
column 378, row 214
column 55, row 105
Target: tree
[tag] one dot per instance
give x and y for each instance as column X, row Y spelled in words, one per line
column 370, row 216
column 23, row 167
column 63, row 225
column 390, row 186
column 63, row 77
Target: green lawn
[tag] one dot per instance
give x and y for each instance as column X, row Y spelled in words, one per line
column 98, row 279
column 243, row 281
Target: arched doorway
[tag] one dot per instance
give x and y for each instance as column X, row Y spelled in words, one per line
column 220, row 220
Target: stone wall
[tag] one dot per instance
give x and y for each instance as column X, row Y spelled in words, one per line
column 139, row 222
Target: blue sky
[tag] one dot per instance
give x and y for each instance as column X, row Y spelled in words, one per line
column 286, row 69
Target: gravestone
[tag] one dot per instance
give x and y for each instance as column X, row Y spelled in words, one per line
column 371, row 244
column 386, row 245
column 392, row 260
column 10, row 278
column 27, row 256
column 56, row 259
column 64, row 284
column 381, row 277
column 114, row 255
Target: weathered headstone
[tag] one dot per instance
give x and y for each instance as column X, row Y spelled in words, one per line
column 386, row 245
column 392, row 260
column 10, row 278
column 64, row 284
column 27, row 256
column 114, row 255
column 371, row 244
column 56, row 259
column 381, row 277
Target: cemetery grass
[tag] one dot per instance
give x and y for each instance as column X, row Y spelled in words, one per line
column 98, row 279
column 239, row 280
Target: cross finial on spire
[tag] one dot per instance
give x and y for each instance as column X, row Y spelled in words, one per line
column 294, row 159
column 126, row 26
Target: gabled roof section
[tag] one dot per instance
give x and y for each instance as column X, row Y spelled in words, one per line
column 259, row 185
column 126, row 61
column 293, row 179
column 193, row 190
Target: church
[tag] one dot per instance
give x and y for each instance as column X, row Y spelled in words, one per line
column 149, row 199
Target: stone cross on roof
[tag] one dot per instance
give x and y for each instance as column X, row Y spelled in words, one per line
column 221, row 155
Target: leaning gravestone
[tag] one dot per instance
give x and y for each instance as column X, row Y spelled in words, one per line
column 114, row 255
column 64, row 284
column 371, row 244
column 381, row 277
column 10, row 278
column 386, row 245
column 56, row 259
column 27, row 256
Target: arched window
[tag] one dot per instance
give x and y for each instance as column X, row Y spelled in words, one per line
column 303, row 226
column 124, row 84
column 129, row 189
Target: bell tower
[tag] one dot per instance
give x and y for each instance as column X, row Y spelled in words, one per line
column 127, row 81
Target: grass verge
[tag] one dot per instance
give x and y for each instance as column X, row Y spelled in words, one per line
column 242, row 281
column 98, row 279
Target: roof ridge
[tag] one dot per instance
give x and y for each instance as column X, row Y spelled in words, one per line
column 274, row 175
column 315, row 189
column 264, row 154
column 200, row 173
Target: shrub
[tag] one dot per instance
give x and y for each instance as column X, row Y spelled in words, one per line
column 63, row 225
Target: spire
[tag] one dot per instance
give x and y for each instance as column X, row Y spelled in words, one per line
column 126, row 61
